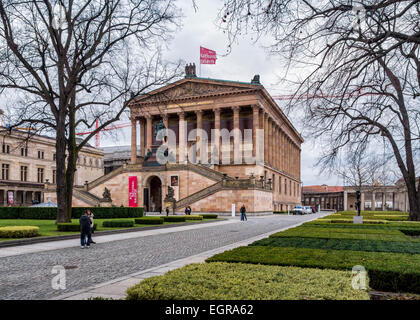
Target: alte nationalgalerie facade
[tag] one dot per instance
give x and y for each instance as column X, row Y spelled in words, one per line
column 210, row 105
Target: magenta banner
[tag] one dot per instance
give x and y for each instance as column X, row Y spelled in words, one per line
column 132, row 192
column 207, row 56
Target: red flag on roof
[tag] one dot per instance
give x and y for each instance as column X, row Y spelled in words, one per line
column 207, row 56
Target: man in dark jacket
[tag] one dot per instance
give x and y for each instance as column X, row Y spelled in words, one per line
column 85, row 230
column 243, row 213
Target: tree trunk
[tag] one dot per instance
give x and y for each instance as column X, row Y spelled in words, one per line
column 414, row 201
column 62, row 212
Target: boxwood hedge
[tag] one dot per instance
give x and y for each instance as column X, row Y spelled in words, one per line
column 19, row 232
column 71, row 227
column 227, row 281
column 149, row 220
column 193, row 217
column 174, row 219
column 118, row 223
column 209, row 216
column 51, row 213
column 393, row 272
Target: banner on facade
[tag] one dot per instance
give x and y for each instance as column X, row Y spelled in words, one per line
column 10, row 198
column 207, row 56
column 132, row 192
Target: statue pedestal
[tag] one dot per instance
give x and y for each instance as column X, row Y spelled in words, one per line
column 106, row 203
column 358, row 219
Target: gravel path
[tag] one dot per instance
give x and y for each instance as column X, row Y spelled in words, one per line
column 29, row 276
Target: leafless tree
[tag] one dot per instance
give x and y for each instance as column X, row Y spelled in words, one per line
column 363, row 70
column 360, row 168
column 68, row 63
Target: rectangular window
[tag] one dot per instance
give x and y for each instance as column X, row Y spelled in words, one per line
column 40, row 154
column 290, row 187
column 54, row 156
column 5, row 148
column 40, row 175
column 285, row 187
column 23, row 173
column 24, row 152
column 5, row 171
column 279, row 184
column 54, row 176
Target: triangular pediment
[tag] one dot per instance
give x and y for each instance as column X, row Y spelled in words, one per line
column 194, row 88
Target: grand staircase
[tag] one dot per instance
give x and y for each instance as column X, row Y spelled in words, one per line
column 86, row 197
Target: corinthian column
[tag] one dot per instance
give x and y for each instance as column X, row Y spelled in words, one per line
column 133, row 140
column 149, row 132
column 216, row 156
column 255, row 127
column 236, row 135
column 181, row 147
column 199, row 138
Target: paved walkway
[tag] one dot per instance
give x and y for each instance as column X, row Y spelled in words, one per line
column 120, row 261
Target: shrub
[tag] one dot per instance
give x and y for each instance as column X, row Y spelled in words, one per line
column 51, row 213
column 19, row 232
column 226, row 281
column 149, row 220
column 341, row 244
column 351, row 221
column 209, row 216
column 411, row 232
column 71, row 227
column 394, row 272
column 174, row 219
column 109, row 212
column 192, row 217
column 118, row 223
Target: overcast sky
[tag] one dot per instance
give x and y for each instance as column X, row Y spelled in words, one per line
column 245, row 60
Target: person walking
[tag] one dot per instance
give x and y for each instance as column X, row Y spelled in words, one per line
column 186, row 211
column 167, row 211
column 243, row 213
column 91, row 216
column 189, row 210
column 85, row 230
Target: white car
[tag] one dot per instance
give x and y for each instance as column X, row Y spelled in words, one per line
column 308, row 209
column 298, row 210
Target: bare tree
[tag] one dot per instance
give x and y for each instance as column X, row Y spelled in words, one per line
column 69, row 63
column 363, row 169
column 363, row 70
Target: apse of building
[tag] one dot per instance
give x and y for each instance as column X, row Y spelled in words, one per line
column 210, row 105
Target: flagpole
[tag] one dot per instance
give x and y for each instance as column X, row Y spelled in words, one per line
column 200, row 61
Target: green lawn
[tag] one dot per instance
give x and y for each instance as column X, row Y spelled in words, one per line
column 49, row 228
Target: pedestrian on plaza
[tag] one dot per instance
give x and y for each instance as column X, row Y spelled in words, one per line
column 243, row 213
column 91, row 216
column 167, row 211
column 189, row 210
column 85, row 230
column 186, row 211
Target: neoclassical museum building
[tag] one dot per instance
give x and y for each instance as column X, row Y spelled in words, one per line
column 196, row 110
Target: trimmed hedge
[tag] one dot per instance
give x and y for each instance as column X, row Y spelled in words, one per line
column 365, row 221
column 174, row 219
column 51, row 213
column 149, row 220
column 411, row 232
column 118, row 223
column 209, row 216
column 227, row 281
column 393, row 272
column 71, row 227
column 341, row 244
column 193, row 217
column 19, row 232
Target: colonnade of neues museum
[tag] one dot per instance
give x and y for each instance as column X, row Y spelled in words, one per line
column 214, row 143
